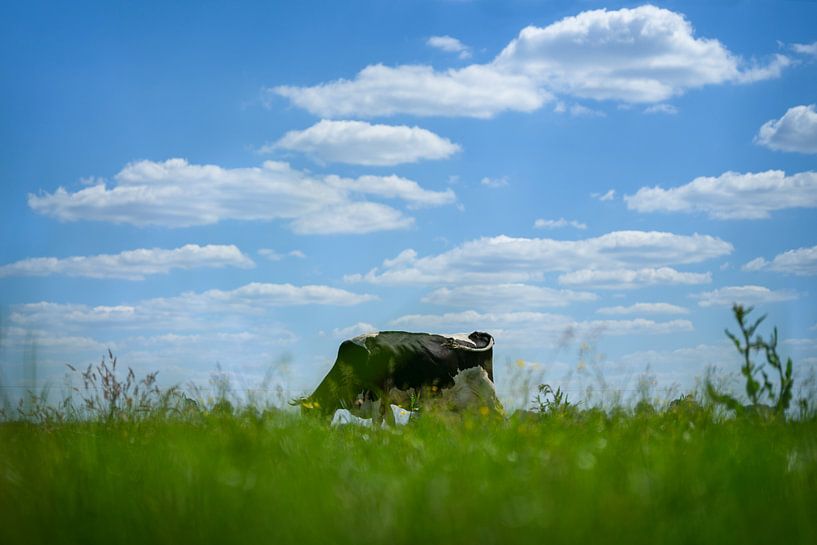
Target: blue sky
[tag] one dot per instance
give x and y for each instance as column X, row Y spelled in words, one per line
column 246, row 185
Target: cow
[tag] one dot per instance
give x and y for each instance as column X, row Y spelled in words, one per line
column 370, row 366
column 472, row 392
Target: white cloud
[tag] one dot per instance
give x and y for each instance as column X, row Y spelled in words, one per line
column 190, row 310
column 361, row 143
column 805, row 49
column 631, row 278
column 450, row 45
column 759, row 72
column 641, row 55
column 394, row 187
column 273, row 255
column 506, row 296
column 353, row 330
column 534, row 328
column 744, row 295
column 668, row 109
column 132, row 264
column 756, row 264
column 731, row 195
column 474, row 91
column 406, row 257
column 494, row 182
column 802, row 262
column 644, row 308
column 609, row 196
column 352, row 219
column 795, row 131
column 645, row 54
column 557, row 224
column 175, row 193
column 504, row 259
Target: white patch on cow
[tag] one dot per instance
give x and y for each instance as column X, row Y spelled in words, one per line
column 472, row 390
column 401, row 416
column 343, row 417
column 461, row 337
column 361, row 338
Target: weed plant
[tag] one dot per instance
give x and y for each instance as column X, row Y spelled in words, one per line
column 759, row 386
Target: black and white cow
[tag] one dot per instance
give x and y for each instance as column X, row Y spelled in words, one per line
column 375, row 363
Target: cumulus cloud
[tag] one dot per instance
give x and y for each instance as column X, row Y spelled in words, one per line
column 352, row 219
column 645, row 54
column 175, row 193
column 731, row 195
column 504, row 259
column 631, row 278
column 132, row 264
column 802, row 262
column 644, row 308
column 190, row 310
column 361, row 143
column 795, row 131
column 744, row 295
column 506, row 296
column 641, row 55
column 474, row 91
column 450, row 45
column 393, row 187
column 558, row 224
column 534, row 328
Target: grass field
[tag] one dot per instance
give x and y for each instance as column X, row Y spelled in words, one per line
column 126, row 461
column 577, row 477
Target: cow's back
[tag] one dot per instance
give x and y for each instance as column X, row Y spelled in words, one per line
column 415, row 360
column 375, row 362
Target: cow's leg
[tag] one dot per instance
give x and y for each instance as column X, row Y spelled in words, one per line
column 385, row 413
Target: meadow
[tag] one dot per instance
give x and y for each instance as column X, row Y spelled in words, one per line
column 132, row 463
column 681, row 475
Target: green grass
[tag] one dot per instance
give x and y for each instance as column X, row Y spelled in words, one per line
column 588, row 477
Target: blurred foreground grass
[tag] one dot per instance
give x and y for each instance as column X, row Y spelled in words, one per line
column 583, row 477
